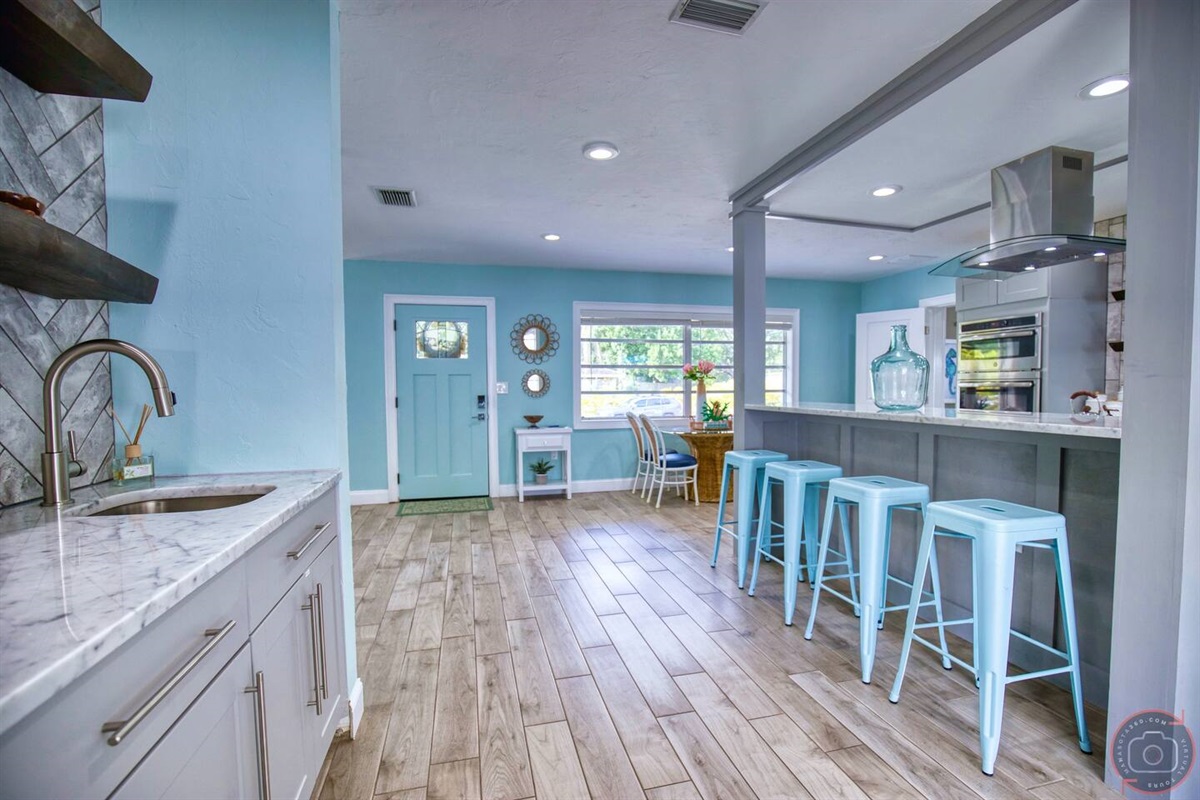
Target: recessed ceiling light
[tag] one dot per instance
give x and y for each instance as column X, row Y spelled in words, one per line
column 1099, row 254
column 984, row 263
column 886, row 191
column 1105, row 87
column 728, row 249
column 1030, row 268
column 551, row 237
column 874, row 258
column 600, row 151
column 1050, row 249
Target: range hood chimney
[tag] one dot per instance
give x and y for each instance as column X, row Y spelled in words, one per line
column 1042, row 211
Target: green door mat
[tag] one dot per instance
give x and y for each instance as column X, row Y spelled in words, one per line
column 454, row 505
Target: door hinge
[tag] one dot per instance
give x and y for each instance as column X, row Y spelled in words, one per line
column 397, row 402
column 397, row 477
column 394, row 325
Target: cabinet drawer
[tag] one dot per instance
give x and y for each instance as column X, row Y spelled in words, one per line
column 275, row 564
column 60, row 751
column 546, row 441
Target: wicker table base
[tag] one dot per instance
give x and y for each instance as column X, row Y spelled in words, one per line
column 709, row 448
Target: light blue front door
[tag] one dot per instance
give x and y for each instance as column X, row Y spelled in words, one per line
column 441, row 393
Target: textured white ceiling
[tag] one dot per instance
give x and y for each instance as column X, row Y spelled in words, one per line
column 482, row 108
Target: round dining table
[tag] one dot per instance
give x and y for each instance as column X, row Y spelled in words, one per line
column 709, row 449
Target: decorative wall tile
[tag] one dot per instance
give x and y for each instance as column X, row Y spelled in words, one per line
column 51, row 147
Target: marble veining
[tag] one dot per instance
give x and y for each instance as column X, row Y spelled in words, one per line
column 74, row 588
column 1060, row 424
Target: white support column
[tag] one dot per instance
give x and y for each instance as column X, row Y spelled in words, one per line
column 1156, row 603
column 749, row 318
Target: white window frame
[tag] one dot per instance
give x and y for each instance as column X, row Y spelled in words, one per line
column 670, row 313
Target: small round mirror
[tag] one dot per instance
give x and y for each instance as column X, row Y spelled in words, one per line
column 535, row 383
column 534, row 338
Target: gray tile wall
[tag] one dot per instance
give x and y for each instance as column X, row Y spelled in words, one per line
column 52, row 147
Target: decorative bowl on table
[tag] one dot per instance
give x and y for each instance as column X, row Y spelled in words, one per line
column 533, row 419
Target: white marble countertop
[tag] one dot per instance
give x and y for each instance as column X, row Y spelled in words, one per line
column 1061, row 424
column 74, row 588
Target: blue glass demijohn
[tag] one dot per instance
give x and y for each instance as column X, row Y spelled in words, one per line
column 900, row 376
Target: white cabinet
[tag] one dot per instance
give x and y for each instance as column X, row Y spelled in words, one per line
column 974, row 293
column 187, row 688
column 1033, row 285
column 212, row 751
column 543, row 440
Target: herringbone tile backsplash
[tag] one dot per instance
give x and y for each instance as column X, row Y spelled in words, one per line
column 53, row 149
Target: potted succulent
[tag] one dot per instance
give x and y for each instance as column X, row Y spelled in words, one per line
column 716, row 415
column 540, row 469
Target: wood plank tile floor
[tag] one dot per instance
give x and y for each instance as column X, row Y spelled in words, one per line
column 584, row 648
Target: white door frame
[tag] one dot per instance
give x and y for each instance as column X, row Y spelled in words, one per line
column 392, row 414
column 935, row 344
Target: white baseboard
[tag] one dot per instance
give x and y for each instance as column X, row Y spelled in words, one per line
column 355, row 709
column 581, row 487
column 368, row 497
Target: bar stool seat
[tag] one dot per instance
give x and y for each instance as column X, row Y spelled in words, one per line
column 749, row 465
column 802, row 482
column 995, row 529
column 876, row 496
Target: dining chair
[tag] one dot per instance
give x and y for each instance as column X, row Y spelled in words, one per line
column 669, row 468
column 643, row 454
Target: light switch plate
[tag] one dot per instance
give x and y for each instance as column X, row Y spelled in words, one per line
column 502, row 387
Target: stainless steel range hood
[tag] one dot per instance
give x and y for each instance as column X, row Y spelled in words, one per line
column 1042, row 210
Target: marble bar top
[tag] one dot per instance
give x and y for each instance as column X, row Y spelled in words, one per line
column 1060, row 424
column 74, row 588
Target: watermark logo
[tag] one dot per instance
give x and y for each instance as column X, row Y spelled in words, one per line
column 1153, row 751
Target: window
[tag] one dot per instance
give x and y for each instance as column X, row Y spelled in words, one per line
column 631, row 357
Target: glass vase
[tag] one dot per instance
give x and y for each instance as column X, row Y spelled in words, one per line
column 900, row 376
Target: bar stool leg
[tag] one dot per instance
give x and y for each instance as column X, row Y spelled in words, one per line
column 793, row 510
column 812, row 511
column 872, row 522
column 745, row 518
column 826, row 530
column 1062, row 560
column 848, row 553
column 924, row 549
column 887, row 562
column 937, row 601
column 720, row 513
column 764, row 521
column 993, row 620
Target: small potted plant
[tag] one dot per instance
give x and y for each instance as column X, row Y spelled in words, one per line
column 540, row 470
column 716, row 415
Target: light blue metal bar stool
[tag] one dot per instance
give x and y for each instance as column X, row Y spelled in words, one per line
column 802, row 483
column 749, row 465
column 876, row 496
column 995, row 529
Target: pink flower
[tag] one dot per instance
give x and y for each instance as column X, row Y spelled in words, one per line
column 706, row 367
column 687, row 367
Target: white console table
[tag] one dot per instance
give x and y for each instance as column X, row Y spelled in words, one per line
column 543, row 440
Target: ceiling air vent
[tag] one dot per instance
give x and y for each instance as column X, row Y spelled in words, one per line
column 405, row 198
column 726, row 16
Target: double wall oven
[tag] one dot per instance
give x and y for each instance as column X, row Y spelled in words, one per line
column 1000, row 364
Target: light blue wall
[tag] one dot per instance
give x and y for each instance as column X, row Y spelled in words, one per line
column 827, row 312
column 905, row 290
column 226, row 184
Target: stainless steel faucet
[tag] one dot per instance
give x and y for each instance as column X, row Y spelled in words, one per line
column 57, row 467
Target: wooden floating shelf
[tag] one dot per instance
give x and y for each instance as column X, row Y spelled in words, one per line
column 54, row 46
column 1118, row 346
column 1118, row 295
column 38, row 257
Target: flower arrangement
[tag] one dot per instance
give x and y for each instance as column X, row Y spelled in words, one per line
column 716, row 411
column 698, row 371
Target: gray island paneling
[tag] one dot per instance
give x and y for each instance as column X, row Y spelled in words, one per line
column 1049, row 461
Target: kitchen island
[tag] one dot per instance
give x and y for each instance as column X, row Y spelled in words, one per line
column 1051, row 461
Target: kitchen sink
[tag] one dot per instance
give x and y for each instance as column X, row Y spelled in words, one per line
column 177, row 505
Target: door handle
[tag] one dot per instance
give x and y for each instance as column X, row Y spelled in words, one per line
column 480, row 416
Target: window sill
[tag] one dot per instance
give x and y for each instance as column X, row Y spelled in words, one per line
column 622, row 423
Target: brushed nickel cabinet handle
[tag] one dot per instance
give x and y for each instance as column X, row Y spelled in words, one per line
column 260, row 724
column 296, row 554
column 122, row 727
column 321, row 630
column 311, row 608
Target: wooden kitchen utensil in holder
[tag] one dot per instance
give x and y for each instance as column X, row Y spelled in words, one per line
column 136, row 465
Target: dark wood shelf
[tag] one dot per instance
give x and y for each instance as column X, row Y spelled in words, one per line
column 1118, row 295
column 1118, row 346
column 38, row 257
column 54, row 46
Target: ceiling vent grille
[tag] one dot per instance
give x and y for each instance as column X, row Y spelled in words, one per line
column 405, row 198
column 726, row 16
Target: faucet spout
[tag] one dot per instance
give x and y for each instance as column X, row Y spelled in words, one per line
column 57, row 468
